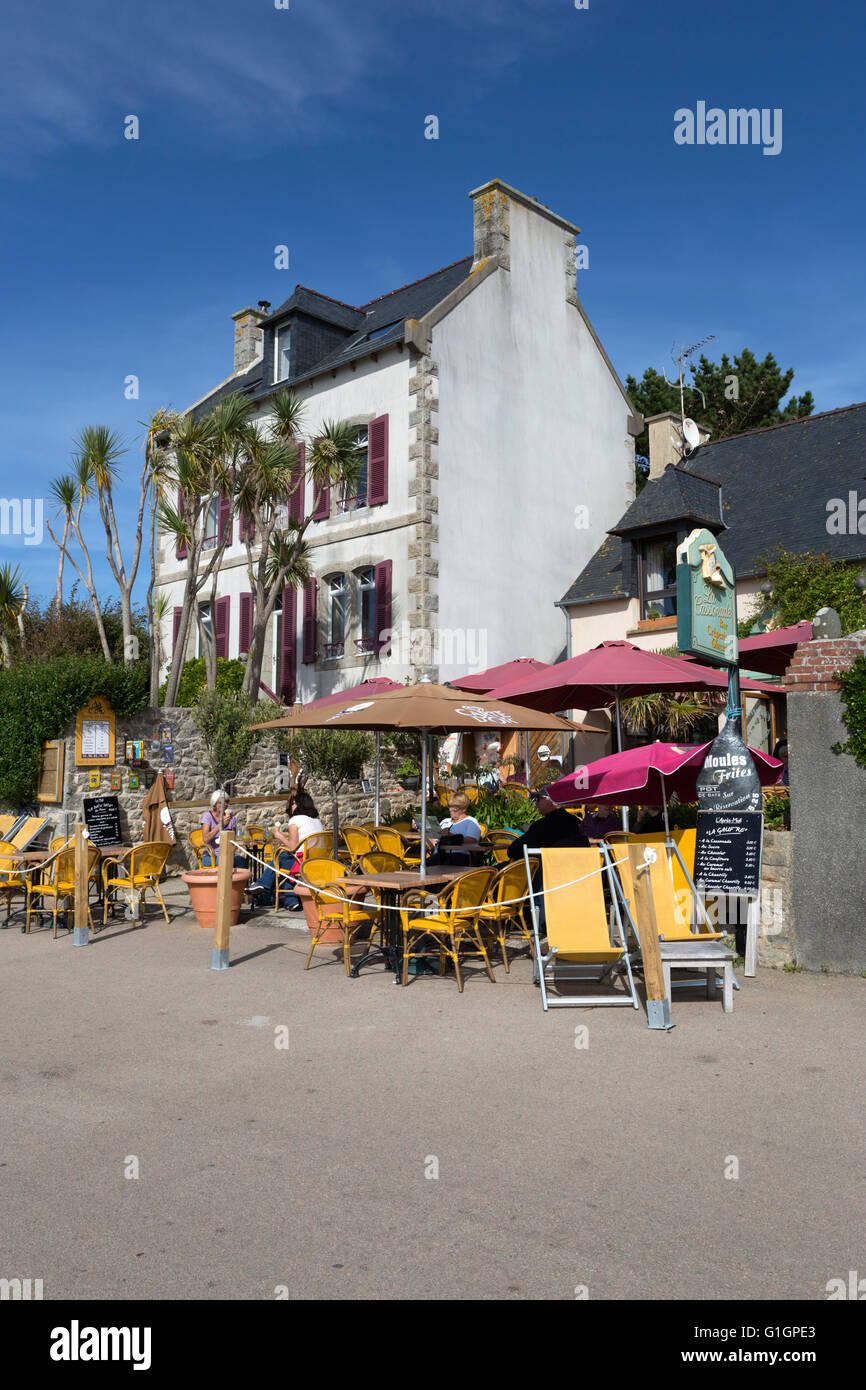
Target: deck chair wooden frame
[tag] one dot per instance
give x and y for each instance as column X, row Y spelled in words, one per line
column 576, row 927
column 682, row 945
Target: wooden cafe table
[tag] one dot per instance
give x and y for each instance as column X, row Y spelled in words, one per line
column 390, row 887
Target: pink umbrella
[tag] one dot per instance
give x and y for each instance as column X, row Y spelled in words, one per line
column 641, row 774
column 506, row 674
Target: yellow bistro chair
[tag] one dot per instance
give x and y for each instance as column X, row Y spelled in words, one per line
column 577, row 928
column 11, row 878
column 142, row 874
column 502, row 910
column 196, row 840
column 389, row 841
column 358, row 842
column 323, row 878
column 59, row 886
column 319, row 846
column 453, row 927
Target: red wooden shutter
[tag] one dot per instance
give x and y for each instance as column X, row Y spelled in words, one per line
column 176, row 630
column 288, row 628
column 221, row 625
column 296, row 498
column 377, row 461
column 225, row 520
column 246, row 623
column 382, row 577
column 310, row 620
column 247, row 527
column 181, row 547
column 321, row 502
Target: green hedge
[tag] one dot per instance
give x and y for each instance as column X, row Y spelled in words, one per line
column 38, row 700
column 193, row 680
column 853, row 684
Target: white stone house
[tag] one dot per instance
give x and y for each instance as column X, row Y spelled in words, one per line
column 500, row 449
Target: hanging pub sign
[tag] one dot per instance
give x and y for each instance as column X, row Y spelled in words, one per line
column 706, row 600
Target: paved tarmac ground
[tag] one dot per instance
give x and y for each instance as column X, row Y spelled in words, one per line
column 307, row 1167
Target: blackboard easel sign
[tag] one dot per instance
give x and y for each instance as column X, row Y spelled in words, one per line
column 102, row 817
column 728, row 851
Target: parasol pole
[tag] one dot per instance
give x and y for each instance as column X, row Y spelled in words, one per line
column 622, row 810
column 423, row 803
column 378, row 757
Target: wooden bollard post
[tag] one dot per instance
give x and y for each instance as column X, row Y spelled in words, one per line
column 220, row 953
column 81, row 928
column 658, row 1006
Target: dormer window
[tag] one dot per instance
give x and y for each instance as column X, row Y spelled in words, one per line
column 658, row 576
column 283, row 354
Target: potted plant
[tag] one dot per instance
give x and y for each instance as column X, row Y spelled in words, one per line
column 223, row 720
column 408, row 774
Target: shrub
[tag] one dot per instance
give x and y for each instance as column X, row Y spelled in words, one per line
column 853, row 684
column 223, row 718
column 39, row 699
column 230, row 677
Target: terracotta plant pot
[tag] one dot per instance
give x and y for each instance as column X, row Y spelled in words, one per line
column 330, row 933
column 202, row 885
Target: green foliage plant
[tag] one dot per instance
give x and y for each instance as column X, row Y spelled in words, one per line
column 39, row 700
column 801, row 584
column 193, row 680
column 223, row 719
column 853, row 683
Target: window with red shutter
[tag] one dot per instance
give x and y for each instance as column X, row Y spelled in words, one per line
column 181, row 548
column 383, row 605
column 309, row 653
column 225, row 520
column 296, row 498
column 176, row 630
column 288, row 627
column 321, row 502
column 377, row 461
column 246, row 623
column 221, row 626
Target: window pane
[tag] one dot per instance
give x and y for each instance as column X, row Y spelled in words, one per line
column 661, row 565
column 284, row 354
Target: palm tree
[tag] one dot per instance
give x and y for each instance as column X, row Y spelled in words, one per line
column 156, row 440
column 64, row 492
column 83, row 487
column 272, row 473
column 207, row 454
column 13, row 598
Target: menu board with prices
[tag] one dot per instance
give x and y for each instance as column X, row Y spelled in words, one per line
column 728, row 850
column 102, row 817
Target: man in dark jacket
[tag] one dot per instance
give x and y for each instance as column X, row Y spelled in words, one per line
column 557, row 827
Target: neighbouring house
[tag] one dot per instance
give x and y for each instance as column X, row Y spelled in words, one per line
column 498, row 447
column 796, row 485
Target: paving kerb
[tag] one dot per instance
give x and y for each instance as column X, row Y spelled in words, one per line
column 558, row 1166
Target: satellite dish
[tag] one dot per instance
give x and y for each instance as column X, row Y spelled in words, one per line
column 691, row 433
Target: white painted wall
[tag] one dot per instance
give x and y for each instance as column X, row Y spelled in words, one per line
column 372, row 389
column 531, row 425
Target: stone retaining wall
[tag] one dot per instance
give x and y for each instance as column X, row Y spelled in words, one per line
column 192, row 783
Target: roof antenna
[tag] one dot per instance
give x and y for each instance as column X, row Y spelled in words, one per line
column 691, row 435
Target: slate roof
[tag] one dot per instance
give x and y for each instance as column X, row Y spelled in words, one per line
column 388, row 312
column 776, row 483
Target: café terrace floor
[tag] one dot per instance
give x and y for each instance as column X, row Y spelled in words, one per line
column 559, row 1165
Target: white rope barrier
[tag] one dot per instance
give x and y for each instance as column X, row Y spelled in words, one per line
column 28, row 868
column 427, row 912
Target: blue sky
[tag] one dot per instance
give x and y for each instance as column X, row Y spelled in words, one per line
column 305, row 126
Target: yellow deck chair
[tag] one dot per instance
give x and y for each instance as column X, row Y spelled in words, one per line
column 6, row 824
column 673, row 906
column 27, row 833
column 576, row 927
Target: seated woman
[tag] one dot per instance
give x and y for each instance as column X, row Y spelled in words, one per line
column 461, row 829
column 303, row 821
column 210, row 829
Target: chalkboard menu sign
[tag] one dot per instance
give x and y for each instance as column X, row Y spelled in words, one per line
column 728, row 852
column 102, row 816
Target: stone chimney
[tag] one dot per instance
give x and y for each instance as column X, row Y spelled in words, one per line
column 665, row 441
column 248, row 337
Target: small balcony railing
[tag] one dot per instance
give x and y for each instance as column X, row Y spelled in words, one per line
column 349, row 504
column 333, row 649
column 365, row 644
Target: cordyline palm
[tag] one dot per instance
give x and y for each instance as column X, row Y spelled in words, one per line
column 12, row 601
column 208, row 453
column 71, row 491
column 157, row 435
column 335, row 461
column 673, row 716
column 63, row 491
